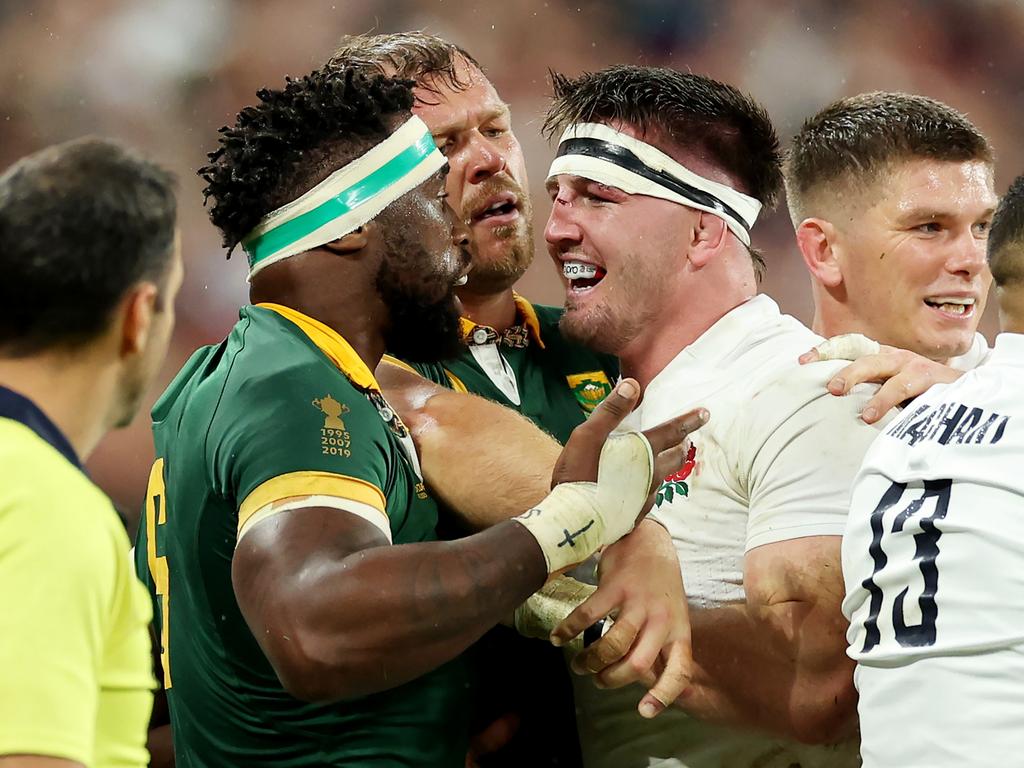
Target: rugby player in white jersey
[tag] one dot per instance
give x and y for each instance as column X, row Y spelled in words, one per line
column 934, row 556
column 658, row 180
column 891, row 195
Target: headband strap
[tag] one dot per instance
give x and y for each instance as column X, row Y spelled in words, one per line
column 348, row 198
column 600, row 153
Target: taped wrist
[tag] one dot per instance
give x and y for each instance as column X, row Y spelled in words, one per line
column 566, row 524
column 547, row 608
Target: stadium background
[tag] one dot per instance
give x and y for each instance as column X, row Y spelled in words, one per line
column 165, row 75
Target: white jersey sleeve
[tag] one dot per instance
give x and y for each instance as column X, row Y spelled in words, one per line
column 801, row 471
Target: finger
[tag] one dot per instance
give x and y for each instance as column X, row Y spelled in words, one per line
column 810, row 356
column 898, row 389
column 667, row 462
column 612, row 410
column 595, row 607
column 674, row 431
column 849, row 346
column 672, row 682
column 874, row 368
column 641, row 657
column 613, row 646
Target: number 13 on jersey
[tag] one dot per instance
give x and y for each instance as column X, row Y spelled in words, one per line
column 904, row 550
column 156, row 516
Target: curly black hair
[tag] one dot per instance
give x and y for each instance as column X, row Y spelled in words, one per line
column 294, row 139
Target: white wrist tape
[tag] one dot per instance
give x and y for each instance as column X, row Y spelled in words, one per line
column 577, row 519
column 849, row 346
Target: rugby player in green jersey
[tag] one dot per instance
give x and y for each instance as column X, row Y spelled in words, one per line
column 512, row 351
column 307, row 614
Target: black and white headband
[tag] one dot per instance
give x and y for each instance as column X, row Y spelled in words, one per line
column 597, row 152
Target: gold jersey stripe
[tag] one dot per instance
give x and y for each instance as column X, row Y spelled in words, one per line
column 400, row 363
column 310, row 484
column 456, row 382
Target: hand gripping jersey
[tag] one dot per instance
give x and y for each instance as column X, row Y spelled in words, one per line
column 283, row 407
column 775, row 462
column 934, row 565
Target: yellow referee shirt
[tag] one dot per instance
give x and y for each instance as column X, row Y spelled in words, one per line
column 75, row 667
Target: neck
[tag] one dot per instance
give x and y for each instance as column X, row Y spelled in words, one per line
column 76, row 392
column 1011, row 309
column 357, row 314
column 707, row 295
column 646, row 356
column 497, row 310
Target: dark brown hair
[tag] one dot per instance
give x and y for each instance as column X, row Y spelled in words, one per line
column 713, row 119
column 80, row 224
column 1006, row 238
column 854, row 138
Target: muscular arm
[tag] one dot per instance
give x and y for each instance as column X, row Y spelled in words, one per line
column 463, row 439
column 340, row 613
column 778, row 662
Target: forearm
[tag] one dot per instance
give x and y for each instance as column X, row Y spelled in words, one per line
column 385, row 615
column 485, row 462
column 779, row 668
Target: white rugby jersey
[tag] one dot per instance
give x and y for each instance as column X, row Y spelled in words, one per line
column 775, row 462
column 973, row 357
column 934, row 565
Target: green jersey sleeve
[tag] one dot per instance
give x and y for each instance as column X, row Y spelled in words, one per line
column 300, row 430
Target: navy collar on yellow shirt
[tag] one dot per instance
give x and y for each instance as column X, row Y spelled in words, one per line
column 19, row 408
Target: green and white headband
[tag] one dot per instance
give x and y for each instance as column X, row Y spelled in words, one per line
column 600, row 153
column 348, row 198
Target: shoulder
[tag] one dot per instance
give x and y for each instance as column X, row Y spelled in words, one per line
column 52, row 513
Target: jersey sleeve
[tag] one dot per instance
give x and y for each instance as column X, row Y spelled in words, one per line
column 58, row 579
column 804, row 463
column 280, row 438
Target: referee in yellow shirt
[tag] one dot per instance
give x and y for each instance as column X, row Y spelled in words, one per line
column 89, row 268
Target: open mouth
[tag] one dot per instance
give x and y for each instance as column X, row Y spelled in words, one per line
column 582, row 276
column 500, row 209
column 952, row 306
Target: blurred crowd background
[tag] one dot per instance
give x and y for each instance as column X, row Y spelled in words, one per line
column 164, row 75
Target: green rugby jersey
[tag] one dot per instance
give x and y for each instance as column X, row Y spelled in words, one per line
column 283, row 407
column 559, row 383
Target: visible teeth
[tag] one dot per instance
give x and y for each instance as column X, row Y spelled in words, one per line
column 951, row 300
column 462, row 280
column 577, row 270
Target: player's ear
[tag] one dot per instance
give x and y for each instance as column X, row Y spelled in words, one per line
column 135, row 318
column 353, row 241
column 708, row 237
column 817, row 240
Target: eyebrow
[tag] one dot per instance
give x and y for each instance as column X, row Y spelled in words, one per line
column 919, row 214
column 501, row 110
